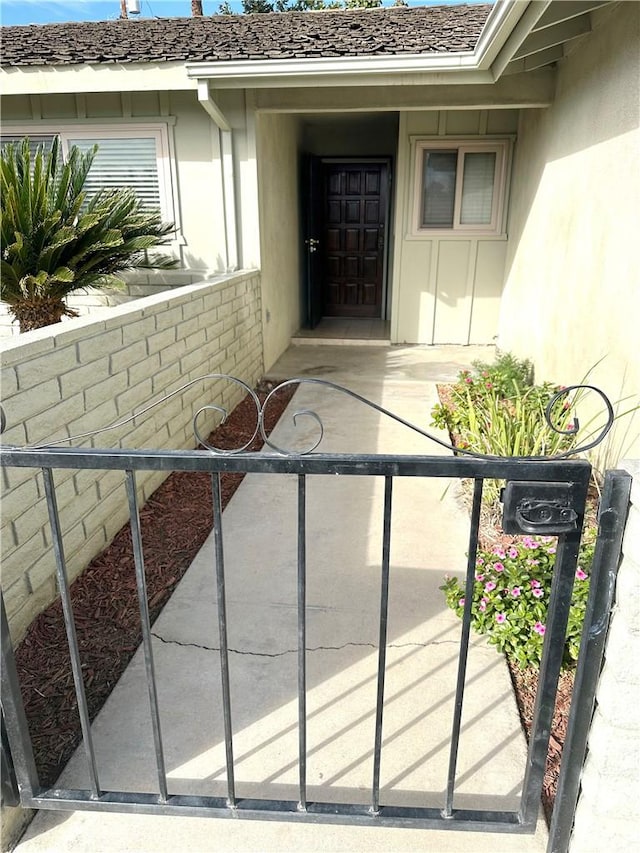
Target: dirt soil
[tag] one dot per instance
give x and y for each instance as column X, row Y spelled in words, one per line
column 175, row 523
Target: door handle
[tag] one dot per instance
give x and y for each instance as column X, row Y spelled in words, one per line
column 312, row 244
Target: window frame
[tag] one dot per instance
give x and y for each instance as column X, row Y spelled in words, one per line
column 500, row 146
column 159, row 131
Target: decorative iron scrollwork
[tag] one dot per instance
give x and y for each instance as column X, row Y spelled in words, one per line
column 309, row 413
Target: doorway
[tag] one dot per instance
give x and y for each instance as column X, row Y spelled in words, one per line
column 346, row 237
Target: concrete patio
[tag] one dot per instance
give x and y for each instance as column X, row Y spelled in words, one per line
column 429, row 539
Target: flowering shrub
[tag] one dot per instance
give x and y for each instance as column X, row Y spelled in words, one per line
column 511, row 595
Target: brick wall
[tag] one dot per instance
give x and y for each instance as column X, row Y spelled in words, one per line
column 608, row 812
column 88, row 373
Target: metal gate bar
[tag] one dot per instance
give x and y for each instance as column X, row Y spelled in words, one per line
column 572, row 473
column 614, row 508
column 141, row 584
column 69, row 624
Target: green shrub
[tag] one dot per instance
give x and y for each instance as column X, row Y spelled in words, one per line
column 511, row 596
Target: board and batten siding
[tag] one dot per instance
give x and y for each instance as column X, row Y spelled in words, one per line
column 446, row 289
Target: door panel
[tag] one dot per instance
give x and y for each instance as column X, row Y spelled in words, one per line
column 352, row 242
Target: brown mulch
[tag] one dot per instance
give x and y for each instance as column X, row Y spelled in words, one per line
column 175, row 522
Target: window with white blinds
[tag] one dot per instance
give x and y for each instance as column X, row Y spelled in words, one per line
column 461, row 185
column 123, row 162
column 135, row 156
column 35, row 142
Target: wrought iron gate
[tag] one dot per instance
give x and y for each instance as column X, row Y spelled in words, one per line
column 541, row 496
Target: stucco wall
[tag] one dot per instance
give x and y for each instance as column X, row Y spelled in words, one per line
column 86, row 374
column 444, row 290
column 278, row 139
column 572, row 291
column 608, row 811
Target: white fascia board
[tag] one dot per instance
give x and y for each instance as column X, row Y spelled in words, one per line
column 79, row 79
column 227, row 74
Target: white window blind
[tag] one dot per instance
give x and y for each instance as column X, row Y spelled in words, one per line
column 123, row 162
column 477, row 187
column 439, row 188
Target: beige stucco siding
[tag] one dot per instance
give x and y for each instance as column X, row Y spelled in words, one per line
column 572, row 291
column 446, row 290
column 278, row 158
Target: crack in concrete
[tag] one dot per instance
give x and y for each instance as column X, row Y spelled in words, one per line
column 295, row 651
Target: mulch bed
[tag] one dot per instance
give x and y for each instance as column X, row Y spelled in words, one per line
column 175, row 522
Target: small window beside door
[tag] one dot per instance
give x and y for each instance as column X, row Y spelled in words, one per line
column 460, row 186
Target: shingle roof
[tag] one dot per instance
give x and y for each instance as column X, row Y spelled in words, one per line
column 399, row 30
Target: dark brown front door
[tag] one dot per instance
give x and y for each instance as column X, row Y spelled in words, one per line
column 352, row 240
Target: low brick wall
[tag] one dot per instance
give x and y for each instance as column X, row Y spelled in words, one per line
column 608, row 812
column 78, row 376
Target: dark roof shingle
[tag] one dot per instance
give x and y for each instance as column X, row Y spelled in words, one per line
column 291, row 35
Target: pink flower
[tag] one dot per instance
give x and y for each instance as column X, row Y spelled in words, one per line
column 499, row 551
column 580, row 574
column 489, row 384
column 530, row 543
column 512, row 552
column 461, row 602
column 479, row 577
column 539, row 628
column 482, row 607
column 515, row 592
column 535, row 584
column 538, row 593
column 489, row 586
column 479, row 562
column 500, row 618
column 498, row 567
column 551, row 550
column 484, row 600
column 468, row 380
column 533, row 562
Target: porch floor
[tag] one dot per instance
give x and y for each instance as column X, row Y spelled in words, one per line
column 343, row 587
column 345, row 331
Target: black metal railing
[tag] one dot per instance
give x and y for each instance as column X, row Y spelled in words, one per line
column 562, row 483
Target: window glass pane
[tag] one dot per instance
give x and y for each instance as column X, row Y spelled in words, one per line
column 438, row 188
column 477, row 188
column 127, row 162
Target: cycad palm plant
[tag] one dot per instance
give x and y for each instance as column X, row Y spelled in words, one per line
column 56, row 241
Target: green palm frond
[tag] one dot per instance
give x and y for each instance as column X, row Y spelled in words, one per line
column 55, row 240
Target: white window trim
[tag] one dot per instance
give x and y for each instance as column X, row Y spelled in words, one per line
column 160, row 131
column 464, row 145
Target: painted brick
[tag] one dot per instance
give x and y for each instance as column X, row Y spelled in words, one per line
column 20, row 500
column 169, row 318
column 80, row 377
column 167, row 379
column 135, row 398
column 15, row 596
column 54, row 363
column 38, row 399
column 30, row 524
column 214, row 331
column 194, row 359
column 187, row 327
column 97, row 394
column 192, row 308
column 51, row 425
column 131, row 354
column 138, row 331
column 170, row 353
column 99, row 346
column 161, row 340
column 8, row 382
column 109, row 482
column 97, row 418
column 27, row 347
column 147, row 366
column 15, row 563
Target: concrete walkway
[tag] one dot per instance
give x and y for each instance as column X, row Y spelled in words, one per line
column 429, row 536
